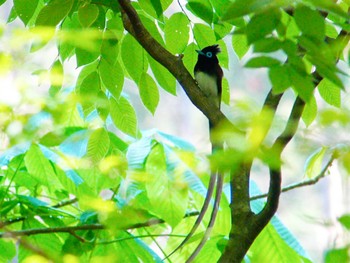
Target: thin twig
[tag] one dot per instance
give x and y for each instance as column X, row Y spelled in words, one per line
column 300, row 184
column 65, row 203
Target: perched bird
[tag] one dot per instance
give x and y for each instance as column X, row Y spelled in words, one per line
column 208, row 73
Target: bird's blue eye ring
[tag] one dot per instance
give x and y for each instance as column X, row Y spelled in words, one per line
column 209, row 54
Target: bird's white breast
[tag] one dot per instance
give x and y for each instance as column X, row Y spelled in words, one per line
column 208, row 84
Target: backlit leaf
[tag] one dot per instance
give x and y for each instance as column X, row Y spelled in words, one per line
column 87, row 14
column 25, row 9
column 54, row 12
column 176, row 33
column 148, row 92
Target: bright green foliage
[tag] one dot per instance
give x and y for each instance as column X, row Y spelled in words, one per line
column 81, row 157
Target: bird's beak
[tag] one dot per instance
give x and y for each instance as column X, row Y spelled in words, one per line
column 200, row 52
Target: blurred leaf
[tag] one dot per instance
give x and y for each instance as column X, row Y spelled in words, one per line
column 240, row 44
column 87, row 14
column 123, row 115
column 176, row 32
column 202, row 9
column 330, row 92
column 261, row 62
column 138, row 152
column 266, row 45
column 25, row 9
column 85, row 57
column 52, row 13
column 262, row 24
column 149, row 92
column 279, row 77
column 310, row 22
column 112, row 77
column 310, row 111
column 56, row 77
column 302, row 84
column 313, row 164
column 240, row 8
column 337, row 255
column 345, row 221
column 98, row 145
column 204, row 35
column 8, row 250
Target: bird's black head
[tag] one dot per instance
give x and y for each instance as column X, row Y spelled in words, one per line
column 208, row 54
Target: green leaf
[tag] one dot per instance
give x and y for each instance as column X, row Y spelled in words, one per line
column 261, row 62
column 87, row 14
column 337, row 255
column 176, row 32
column 40, row 168
column 190, row 57
column 112, row 77
column 134, row 58
column 25, row 9
column 164, row 78
column 310, row 22
column 85, row 57
column 262, row 24
column 123, row 115
column 345, row 221
column 240, row 44
column 267, row 45
column 202, row 9
column 148, row 92
column 204, row 35
column 244, row 7
column 313, row 164
column 225, row 96
column 330, row 92
column 90, row 87
column 270, row 247
column 56, row 77
column 310, row 111
column 279, row 77
column 8, row 250
column 168, row 198
column 98, row 145
column 152, row 7
column 302, row 84
column 54, row 12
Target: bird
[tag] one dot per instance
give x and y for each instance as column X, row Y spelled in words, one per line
column 208, row 73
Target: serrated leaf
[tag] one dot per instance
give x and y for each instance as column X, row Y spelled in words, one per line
column 87, row 14
column 240, row 44
column 176, row 32
column 112, row 77
column 302, row 84
column 25, row 9
column 204, row 35
column 168, row 199
column 310, row 22
column 98, row 145
column 134, row 57
column 40, row 168
column 123, row 115
column 148, row 92
column 138, row 152
column 261, row 62
column 310, row 111
column 330, row 92
column 313, row 164
column 54, row 12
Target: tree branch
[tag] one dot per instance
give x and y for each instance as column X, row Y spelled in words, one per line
column 313, row 181
column 71, row 229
